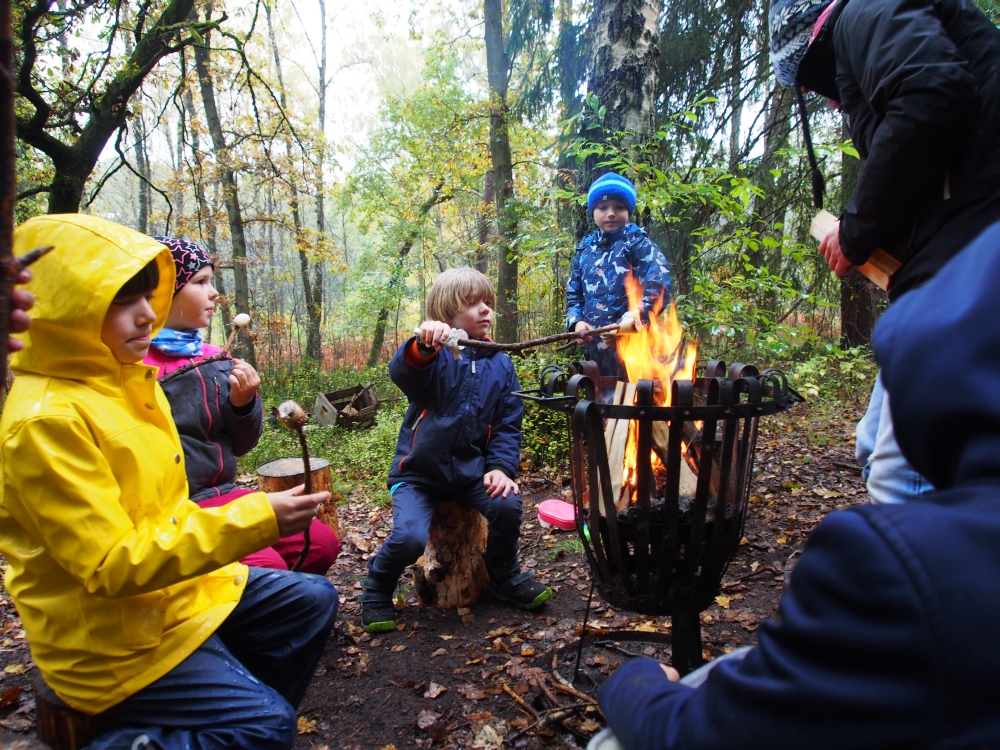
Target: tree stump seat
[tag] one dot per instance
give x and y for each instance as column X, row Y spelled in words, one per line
column 451, row 572
column 64, row 728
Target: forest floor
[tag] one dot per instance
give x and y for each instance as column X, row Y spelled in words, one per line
column 482, row 678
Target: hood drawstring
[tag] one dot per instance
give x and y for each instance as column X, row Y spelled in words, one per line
column 817, row 176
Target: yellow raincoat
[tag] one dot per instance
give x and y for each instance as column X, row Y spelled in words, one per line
column 117, row 576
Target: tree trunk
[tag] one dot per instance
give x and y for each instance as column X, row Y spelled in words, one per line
column 498, row 66
column 314, row 344
column 624, row 74
column 231, row 196
column 142, row 162
column 860, row 300
column 451, row 572
column 8, row 176
column 483, row 249
column 301, row 245
column 397, row 275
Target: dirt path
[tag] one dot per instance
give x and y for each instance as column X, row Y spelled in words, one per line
column 469, row 679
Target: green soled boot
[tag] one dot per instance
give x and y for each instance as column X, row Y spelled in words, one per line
column 520, row 589
column 378, row 612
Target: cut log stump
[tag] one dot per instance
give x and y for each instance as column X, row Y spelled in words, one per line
column 285, row 473
column 64, row 728
column 451, row 572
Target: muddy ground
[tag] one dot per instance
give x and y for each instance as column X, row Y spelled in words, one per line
column 489, row 677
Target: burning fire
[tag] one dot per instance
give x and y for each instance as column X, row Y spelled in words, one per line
column 655, row 352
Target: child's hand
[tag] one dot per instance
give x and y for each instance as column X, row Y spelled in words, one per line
column 244, row 381
column 293, row 510
column 583, row 325
column 496, row 482
column 432, row 332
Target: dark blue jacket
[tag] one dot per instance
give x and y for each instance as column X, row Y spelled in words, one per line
column 462, row 420
column 596, row 289
column 887, row 637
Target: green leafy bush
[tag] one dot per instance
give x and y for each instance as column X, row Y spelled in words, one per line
column 835, row 374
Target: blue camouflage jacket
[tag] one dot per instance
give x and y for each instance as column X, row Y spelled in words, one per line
column 596, row 289
column 463, row 419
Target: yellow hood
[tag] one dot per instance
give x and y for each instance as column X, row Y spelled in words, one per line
column 92, row 260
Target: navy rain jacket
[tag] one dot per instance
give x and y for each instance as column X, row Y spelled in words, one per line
column 462, row 420
column 919, row 84
column 887, row 637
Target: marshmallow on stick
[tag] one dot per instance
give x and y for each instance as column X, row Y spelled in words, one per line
column 239, row 322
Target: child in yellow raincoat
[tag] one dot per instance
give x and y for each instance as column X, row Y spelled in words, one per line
column 130, row 595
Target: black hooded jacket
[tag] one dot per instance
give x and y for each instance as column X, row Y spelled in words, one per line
column 919, row 84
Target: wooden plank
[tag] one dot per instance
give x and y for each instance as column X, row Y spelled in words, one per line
column 616, row 452
column 609, row 426
column 880, row 266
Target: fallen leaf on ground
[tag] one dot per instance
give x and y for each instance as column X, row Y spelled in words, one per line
column 434, row 690
column 307, row 726
column 471, row 692
column 14, row 669
column 446, row 637
column 426, row 718
column 723, row 601
column 439, row 652
column 398, row 649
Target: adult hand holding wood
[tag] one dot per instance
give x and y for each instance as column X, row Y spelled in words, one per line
column 830, row 248
column 293, row 510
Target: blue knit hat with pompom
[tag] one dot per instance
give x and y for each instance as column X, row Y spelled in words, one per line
column 611, row 187
column 791, row 25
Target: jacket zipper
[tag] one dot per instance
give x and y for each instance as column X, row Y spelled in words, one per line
column 413, row 440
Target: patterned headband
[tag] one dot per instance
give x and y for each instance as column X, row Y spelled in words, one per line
column 189, row 258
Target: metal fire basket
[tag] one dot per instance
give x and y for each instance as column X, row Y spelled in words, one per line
column 665, row 554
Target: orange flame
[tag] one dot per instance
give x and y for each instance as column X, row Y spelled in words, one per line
column 655, row 352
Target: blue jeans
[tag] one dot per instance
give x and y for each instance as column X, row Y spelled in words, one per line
column 412, row 510
column 241, row 687
column 889, row 476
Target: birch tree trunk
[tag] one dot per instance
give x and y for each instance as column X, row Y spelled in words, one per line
column 623, row 74
column 202, row 58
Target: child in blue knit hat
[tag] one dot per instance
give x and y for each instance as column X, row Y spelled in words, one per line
column 595, row 295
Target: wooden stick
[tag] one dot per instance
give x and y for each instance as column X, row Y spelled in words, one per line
column 880, row 266
column 521, row 345
column 187, row 368
column 12, row 267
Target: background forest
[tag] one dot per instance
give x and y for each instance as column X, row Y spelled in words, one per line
column 335, row 157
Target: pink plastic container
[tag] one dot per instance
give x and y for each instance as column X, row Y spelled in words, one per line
column 557, row 513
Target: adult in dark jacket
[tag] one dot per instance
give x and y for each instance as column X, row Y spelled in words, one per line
column 886, row 636
column 918, row 82
column 460, row 440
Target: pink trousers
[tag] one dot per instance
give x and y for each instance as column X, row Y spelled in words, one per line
column 323, row 544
